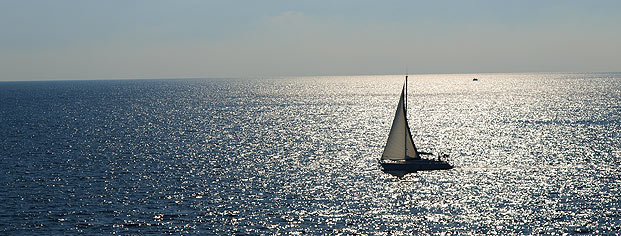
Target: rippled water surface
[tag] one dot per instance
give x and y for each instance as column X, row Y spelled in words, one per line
column 534, row 154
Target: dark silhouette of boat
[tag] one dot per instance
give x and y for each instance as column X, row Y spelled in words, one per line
column 400, row 155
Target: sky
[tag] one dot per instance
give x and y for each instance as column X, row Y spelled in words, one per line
column 117, row 39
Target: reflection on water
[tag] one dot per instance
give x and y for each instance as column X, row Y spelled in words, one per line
column 534, row 154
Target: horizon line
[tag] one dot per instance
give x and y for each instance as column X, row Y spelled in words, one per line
column 300, row 76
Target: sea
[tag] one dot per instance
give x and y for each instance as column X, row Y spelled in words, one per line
column 534, row 153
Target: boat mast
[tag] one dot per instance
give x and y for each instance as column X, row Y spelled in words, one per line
column 406, row 96
column 405, row 114
column 406, row 93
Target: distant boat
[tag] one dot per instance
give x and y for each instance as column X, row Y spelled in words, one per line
column 400, row 155
column 475, row 79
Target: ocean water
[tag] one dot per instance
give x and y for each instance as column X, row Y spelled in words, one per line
column 535, row 153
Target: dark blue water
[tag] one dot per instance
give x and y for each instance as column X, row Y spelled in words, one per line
column 535, row 154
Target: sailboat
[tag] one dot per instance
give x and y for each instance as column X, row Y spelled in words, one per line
column 400, row 155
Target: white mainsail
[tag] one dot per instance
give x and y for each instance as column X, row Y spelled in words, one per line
column 400, row 145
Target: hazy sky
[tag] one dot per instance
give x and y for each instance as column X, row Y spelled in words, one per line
column 109, row 39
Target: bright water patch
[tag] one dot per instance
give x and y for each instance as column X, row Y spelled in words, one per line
column 535, row 154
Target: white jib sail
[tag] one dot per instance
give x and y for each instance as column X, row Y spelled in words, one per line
column 400, row 145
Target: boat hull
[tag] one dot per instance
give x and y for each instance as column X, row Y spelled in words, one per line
column 415, row 165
